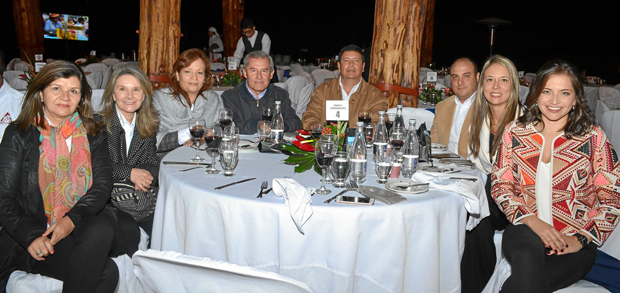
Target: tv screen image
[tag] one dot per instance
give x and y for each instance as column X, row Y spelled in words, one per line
column 60, row 26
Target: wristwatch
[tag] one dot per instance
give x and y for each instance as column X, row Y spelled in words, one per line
column 583, row 240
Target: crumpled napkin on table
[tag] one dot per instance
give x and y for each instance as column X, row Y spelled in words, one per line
column 477, row 206
column 296, row 198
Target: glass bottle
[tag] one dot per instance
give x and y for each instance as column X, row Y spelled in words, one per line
column 277, row 125
column 398, row 121
column 411, row 151
column 380, row 139
column 357, row 154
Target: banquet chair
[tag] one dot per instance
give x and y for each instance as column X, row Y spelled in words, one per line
column 312, row 68
column 158, row 81
column 295, row 69
column 307, row 76
column 80, row 60
column 94, row 79
column 319, row 76
column 18, row 83
column 610, row 97
column 94, row 67
column 529, row 77
column 106, row 77
column 617, row 87
column 420, row 115
column 386, row 88
column 22, row 282
column 523, row 91
column 10, row 74
column 608, row 120
column 21, row 66
column 299, row 91
column 169, row 271
column 110, row 61
column 124, row 63
column 218, row 66
column 11, row 65
column 281, row 85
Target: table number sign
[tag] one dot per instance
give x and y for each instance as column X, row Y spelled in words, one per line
column 520, row 74
column 93, row 53
column 38, row 66
column 38, row 57
column 337, row 110
column 431, row 76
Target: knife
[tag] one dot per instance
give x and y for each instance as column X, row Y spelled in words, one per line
column 380, row 194
column 231, row 184
column 186, row 163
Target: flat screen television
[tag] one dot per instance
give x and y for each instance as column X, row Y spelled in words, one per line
column 60, row 26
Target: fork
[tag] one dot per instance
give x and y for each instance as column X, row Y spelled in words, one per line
column 348, row 187
column 262, row 187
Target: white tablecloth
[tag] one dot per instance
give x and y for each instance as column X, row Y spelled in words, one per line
column 414, row 246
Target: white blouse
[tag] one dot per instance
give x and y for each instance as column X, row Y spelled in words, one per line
column 543, row 192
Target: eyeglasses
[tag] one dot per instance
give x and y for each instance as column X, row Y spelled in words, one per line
column 247, row 32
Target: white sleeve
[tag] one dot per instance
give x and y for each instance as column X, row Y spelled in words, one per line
column 266, row 42
column 183, row 135
column 239, row 52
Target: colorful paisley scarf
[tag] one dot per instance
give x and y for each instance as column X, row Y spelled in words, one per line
column 64, row 175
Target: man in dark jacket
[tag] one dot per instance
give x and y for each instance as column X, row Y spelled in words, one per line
column 248, row 98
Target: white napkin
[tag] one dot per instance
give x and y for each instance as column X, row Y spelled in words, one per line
column 296, row 198
column 473, row 193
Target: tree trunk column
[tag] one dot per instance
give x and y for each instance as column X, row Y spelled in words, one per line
column 233, row 13
column 160, row 32
column 29, row 28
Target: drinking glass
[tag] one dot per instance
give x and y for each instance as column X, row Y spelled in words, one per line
column 409, row 165
column 324, row 151
column 383, row 166
column 365, row 116
column 267, row 113
column 390, row 121
column 213, row 138
column 397, row 138
column 316, row 129
column 225, row 116
column 333, row 138
column 197, row 131
column 263, row 129
column 229, row 158
column 232, row 132
column 340, row 169
column 368, row 132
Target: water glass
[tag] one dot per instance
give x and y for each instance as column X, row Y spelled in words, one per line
column 333, row 138
column 267, row 113
column 229, row 158
column 383, row 166
column 263, row 129
column 341, row 166
column 324, row 151
column 409, row 165
column 368, row 132
column 213, row 138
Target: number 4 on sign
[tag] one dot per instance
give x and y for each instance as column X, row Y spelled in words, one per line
column 338, row 114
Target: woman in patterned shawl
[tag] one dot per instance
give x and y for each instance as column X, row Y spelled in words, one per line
column 557, row 175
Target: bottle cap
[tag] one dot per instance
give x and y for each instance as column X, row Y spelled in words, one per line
column 381, row 112
column 399, row 106
column 360, row 123
column 411, row 121
column 277, row 102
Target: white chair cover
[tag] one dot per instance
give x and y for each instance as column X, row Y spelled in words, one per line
column 21, row 282
column 94, row 80
column 529, row 77
column 319, row 75
column 312, row 68
column 617, row 87
column 168, row 271
column 10, row 74
column 11, row 65
column 600, row 109
column 81, row 60
column 18, row 83
column 299, row 91
column 295, row 69
column 610, row 97
column 281, row 85
column 21, row 66
column 610, row 119
column 94, row 67
column 217, row 65
column 523, row 91
column 106, row 77
column 420, row 115
column 126, row 63
column 110, row 61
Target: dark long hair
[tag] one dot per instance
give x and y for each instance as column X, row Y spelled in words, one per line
column 32, row 104
column 580, row 118
column 185, row 60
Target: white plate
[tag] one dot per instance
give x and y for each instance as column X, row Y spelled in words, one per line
column 437, row 146
column 406, row 186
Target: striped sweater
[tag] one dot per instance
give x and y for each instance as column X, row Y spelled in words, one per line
column 585, row 181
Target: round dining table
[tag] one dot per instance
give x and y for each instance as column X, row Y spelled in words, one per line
column 412, row 246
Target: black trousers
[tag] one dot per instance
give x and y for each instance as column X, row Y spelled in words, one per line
column 535, row 271
column 82, row 261
column 479, row 257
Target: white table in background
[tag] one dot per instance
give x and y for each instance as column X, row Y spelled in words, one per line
column 413, row 246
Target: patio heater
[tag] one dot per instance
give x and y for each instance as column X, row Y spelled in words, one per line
column 493, row 23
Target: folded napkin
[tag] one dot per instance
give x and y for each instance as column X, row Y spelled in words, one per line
column 296, row 198
column 473, row 193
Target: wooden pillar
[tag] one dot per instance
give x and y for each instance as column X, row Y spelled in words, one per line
column 427, row 38
column 29, row 28
column 233, row 13
column 396, row 44
column 160, row 32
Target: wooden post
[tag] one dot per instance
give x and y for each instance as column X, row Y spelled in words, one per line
column 160, row 32
column 233, row 13
column 29, row 28
column 426, row 56
column 396, row 46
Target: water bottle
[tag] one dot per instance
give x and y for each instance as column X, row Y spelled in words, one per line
column 399, row 121
column 357, row 154
column 277, row 125
column 380, row 139
column 411, row 151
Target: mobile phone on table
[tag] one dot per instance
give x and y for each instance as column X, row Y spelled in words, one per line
column 355, row 200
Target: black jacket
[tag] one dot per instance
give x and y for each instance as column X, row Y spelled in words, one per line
column 22, row 216
column 247, row 111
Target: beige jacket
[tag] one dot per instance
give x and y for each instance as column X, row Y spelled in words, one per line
column 367, row 96
column 440, row 132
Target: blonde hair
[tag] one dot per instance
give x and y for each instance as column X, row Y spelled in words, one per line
column 147, row 121
column 482, row 111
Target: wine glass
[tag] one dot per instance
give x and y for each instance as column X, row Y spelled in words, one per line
column 397, row 138
column 263, row 129
column 340, row 169
column 267, row 113
column 390, row 121
column 229, row 157
column 333, row 138
column 383, row 166
column 197, row 130
column 316, row 129
column 225, row 116
column 365, row 116
column 213, row 138
column 324, row 151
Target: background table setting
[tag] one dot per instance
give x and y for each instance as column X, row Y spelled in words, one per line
column 411, row 246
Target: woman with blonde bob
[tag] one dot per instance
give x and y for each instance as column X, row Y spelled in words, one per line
column 131, row 123
column 55, row 180
column 495, row 105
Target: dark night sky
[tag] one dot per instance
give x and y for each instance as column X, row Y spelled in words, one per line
column 585, row 34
